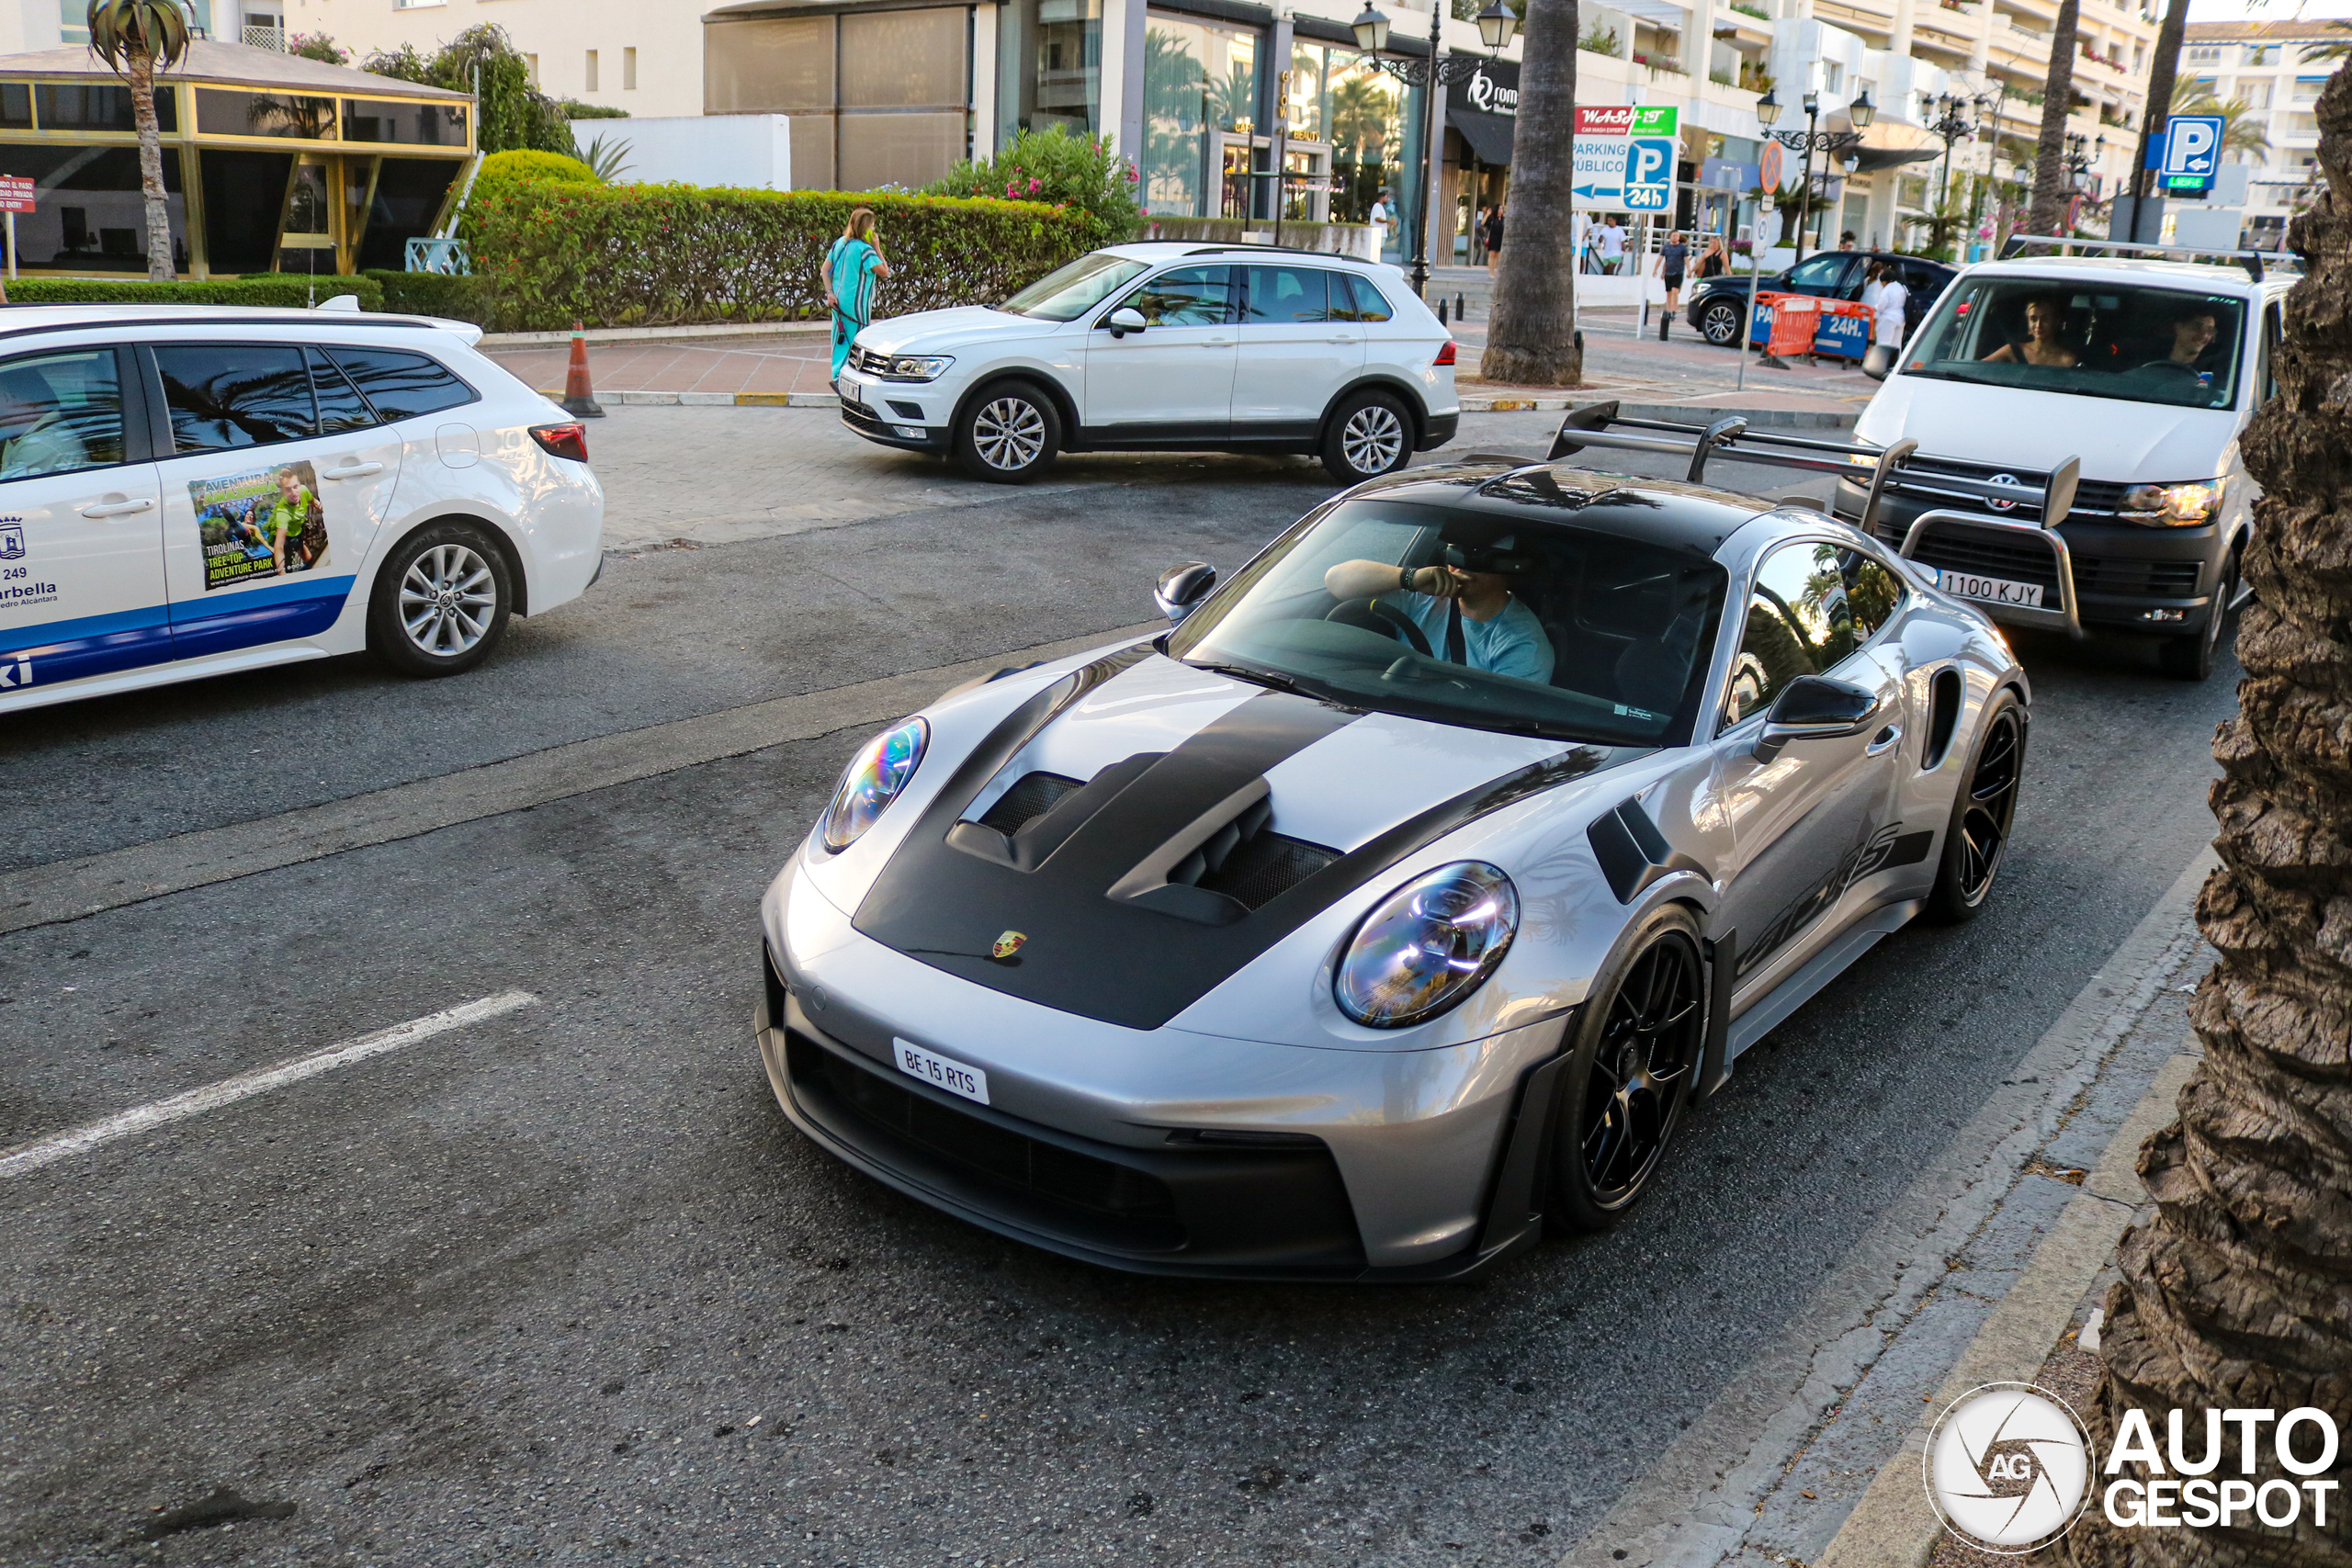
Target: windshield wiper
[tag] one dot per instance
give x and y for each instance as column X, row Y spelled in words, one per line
column 1280, row 683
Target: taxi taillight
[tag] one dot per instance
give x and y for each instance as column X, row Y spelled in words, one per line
column 562, row 440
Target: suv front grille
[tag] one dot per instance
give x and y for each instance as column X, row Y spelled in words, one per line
column 865, row 359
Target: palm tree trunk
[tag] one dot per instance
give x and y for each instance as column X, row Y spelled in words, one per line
column 2239, row 1295
column 2049, row 211
column 1530, row 330
column 160, row 269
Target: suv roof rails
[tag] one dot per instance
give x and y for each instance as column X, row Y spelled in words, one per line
column 2250, row 260
column 1599, row 424
column 1261, row 246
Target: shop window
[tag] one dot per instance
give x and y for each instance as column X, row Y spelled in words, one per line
column 409, row 194
column 1200, row 86
column 219, row 113
column 70, row 107
column 243, row 194
column 92, row 216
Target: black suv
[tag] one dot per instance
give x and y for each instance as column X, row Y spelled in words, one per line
column 1716, row 306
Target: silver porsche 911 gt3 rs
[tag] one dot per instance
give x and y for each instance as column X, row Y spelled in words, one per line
column 1402, row 897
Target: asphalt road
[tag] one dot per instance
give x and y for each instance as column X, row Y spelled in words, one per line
column 564, row 1286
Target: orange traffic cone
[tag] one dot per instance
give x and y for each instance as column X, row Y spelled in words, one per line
column 579, row 398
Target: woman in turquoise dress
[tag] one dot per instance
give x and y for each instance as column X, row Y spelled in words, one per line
column 851, row 267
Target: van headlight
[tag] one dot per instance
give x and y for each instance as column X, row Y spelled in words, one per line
column 2173, row 506
column 916, row 366
column 874, row 776
column 1427, row 946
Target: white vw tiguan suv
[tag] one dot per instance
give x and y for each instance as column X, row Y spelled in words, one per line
column 1167, row 345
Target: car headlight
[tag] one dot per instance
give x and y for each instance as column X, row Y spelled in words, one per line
column 875, row 776
column 916, row 366
column 1427, row 945
column 2173, row 506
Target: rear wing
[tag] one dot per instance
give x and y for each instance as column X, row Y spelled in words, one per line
column 2250, row 260
column 1599, row 424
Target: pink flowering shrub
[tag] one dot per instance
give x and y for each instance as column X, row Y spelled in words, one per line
column 1081, row 173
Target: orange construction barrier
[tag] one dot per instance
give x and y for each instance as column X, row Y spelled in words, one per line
column 1795, row 319
column 579, row 399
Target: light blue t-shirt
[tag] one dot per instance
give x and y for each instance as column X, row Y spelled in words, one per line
column 1511, row 644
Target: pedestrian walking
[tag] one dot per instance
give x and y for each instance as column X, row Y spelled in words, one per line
column 1612, row 245
column 1889, row 302
column 1494, row 236
column 1713, row 261
column 851, row 267
column 1671, row 259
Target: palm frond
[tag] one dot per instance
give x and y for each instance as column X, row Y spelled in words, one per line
column 125, row 30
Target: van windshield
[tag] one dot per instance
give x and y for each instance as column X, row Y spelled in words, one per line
column 2142, row 345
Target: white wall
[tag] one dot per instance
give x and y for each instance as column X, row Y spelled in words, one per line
column 666, row 34
column 751, row 149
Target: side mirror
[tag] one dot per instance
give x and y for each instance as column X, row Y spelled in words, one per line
column 1124, row 320
column 1813, row 708
column 1183, row 587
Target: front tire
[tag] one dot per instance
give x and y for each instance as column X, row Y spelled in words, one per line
column 1632, row 1061
column 1983, row 812
column 2191, row 658
column 1719, row 323
column 1368, row 436
column 1008, row 434
column 441, row 601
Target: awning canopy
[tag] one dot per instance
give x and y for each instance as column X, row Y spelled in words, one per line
column 1869, row 158
column 1488, row 134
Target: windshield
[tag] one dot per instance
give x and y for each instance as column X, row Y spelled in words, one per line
column 1541, row 629
column 2143, row 346
column 1069, row 292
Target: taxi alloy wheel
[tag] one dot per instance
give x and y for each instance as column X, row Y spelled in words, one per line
column 1008, row 433
column 441, row 602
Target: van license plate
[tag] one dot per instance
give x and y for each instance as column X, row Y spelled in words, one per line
column 1992, row 589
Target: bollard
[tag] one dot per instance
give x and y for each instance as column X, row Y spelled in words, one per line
column 1460, row 311
column 1441, row 309
column 579, row 398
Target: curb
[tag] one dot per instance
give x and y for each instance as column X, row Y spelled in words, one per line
column 1894, row 1524
column 612, row 335
column 715, row 400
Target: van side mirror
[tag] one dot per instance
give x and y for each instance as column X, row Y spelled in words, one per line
column 1124, row 320
column 1181, row 588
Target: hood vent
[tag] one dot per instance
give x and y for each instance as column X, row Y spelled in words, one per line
column 1223, row 867
column 1027, row 800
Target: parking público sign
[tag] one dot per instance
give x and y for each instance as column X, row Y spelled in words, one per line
column 1624, row 157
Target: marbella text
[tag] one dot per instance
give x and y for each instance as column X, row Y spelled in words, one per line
column 2175, row 1490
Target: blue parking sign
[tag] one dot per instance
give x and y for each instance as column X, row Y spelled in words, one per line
column 1649, row 174
column 2191, row 147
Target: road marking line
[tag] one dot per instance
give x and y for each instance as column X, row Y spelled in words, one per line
column 261, row 1080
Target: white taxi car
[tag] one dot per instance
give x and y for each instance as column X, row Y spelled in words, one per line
column 192, row 491
column 1167, row 345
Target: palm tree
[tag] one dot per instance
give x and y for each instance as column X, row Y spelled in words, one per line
column 2335, row 50
column 2234, row 1296
column 2241, row 132
column 137, row 39
column 1530, row 329
column 2050, row 184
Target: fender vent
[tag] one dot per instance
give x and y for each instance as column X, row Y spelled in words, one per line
column 1032, row 797
column 1943, row 716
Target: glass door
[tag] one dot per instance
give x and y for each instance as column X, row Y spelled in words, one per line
column 306, row 234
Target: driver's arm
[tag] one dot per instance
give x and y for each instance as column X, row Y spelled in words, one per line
column 1363, row 578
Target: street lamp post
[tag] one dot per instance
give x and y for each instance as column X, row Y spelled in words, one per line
column 1812, row 139
column 1495, row 25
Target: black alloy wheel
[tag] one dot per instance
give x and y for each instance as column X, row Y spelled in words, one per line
column 1982, row 816
column 1636, row 1057
column 1719, row 322
column 2191, row 658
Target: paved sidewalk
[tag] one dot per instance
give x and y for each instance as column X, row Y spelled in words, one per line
column 765, row 369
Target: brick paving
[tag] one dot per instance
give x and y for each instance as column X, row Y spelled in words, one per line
column 762, row 367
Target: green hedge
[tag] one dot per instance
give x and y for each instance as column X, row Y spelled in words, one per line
column 292, row 290
column 545, row 254
column 453, row 295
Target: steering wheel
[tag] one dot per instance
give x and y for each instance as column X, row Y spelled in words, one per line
column 1374, row 616
column 2173, row 365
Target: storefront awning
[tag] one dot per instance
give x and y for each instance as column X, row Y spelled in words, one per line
column 1869, row 158
column 1488, row 134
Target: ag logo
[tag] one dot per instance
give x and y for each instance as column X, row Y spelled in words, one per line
column 2008, row 1468
column 12, row 539
column 2010, row 480
column 1007, row 945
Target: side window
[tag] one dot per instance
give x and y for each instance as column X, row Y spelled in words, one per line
column 226, row 395
column 2266, row 383
column 341, row 407
column 1187, row 297
column 1798, row 624
column 1371, row 304
column 60, row 413
column 1872, row 593
column 1286, row 294
column 1820, row 274
column 400, row 385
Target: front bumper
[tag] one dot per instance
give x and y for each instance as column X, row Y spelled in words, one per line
column 1257, row 1160
column 2122, row 578
column 907, row 433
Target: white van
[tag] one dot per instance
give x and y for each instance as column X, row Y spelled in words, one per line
column 2145, row 371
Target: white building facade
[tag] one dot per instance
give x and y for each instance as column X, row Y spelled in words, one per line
column 2262, row 64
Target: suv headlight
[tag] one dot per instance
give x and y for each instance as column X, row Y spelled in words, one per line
column 1427, row 945
column 916, row 366
column 2173, row 506
column 873, row 780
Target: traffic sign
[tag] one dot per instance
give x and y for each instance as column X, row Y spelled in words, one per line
column 1649, row 174
column 1772, row 171
column 16, row 193
column 2191, row 149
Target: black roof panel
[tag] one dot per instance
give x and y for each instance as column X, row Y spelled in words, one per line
column 1663, row 511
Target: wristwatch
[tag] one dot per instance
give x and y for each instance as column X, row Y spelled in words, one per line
column 1405, row 578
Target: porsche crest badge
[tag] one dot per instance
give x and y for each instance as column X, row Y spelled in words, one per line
column 1008, row 945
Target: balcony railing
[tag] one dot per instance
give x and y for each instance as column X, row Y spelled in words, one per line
column 265, row 37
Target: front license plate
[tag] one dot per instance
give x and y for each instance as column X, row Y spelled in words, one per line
column 1992, row 589
column 941, row 1072
column 849, row 394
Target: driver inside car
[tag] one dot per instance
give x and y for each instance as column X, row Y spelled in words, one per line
column 2193, row 329
column 1467, row 610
